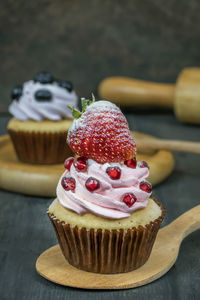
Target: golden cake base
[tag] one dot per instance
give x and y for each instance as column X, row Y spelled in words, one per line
column 52, row 265
column 41, row 180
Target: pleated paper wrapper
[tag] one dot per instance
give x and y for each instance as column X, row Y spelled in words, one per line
column 40, row 148
column 107, row 251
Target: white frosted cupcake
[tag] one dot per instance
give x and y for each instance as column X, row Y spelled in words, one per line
column 41, row 119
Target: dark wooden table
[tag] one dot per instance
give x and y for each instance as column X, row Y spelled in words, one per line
column 25, row 230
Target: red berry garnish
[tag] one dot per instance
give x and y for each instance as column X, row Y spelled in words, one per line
column 68, row 183
column 114, row 172
column 129, row 199
column 92, row 184
column 81, row 164
column 131, row 163
column 146, row 186
column 143, row 164
column 101, row 133
column 68, row 162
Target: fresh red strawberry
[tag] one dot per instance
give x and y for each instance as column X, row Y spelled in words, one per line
column 101, row 133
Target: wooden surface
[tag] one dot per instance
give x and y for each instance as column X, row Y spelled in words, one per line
column 25, row 230
column 41, row 180
column 52, row 265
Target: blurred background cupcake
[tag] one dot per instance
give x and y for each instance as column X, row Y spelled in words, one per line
column 41, row 119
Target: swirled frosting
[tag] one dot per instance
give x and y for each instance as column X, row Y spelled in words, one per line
column 106, row 201
column 28, row 108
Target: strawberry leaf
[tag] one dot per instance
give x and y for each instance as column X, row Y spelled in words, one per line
column 75, row 112
column 93, row 98
column 84, row 104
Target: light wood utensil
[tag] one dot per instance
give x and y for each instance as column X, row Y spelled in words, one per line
column 41, row 180
column 52, row 265
column 149, row 145
column 184, row 96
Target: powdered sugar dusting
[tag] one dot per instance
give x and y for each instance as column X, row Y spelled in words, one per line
column 102, row 133
column 102, row 104
column 98, row 106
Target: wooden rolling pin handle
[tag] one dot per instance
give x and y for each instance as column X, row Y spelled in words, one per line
column 132, row 92
column 159, row 144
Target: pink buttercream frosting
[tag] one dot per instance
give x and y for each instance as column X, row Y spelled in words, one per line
column 106, row 201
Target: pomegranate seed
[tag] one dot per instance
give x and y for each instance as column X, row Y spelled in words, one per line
column 131, row 163
column 146, row 186
column 68, row 183
column 92, row 184
column 68, row 162
column 143, row 164
column 81, row 164
column 129, row 199
column 114, row 172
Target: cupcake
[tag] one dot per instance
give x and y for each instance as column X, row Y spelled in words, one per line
column 103, row 216
column 41, row 119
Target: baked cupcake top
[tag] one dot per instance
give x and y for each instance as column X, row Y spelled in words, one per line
column 44, row 97
column 106, row 178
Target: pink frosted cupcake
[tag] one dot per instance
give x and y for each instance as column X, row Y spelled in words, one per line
column 103, row 216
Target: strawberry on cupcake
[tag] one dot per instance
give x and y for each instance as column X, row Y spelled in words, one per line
column 101, row 133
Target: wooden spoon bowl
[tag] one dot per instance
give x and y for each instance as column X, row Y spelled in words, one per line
column 52, row 265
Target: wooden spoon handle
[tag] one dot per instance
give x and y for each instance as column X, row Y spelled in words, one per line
column 146, row 145
column 186, row 223
column 132, row 92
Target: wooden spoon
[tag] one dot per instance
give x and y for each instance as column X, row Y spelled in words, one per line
column 52, row 265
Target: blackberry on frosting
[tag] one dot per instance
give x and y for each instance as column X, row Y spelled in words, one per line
column 16, row 92
column 43, row 77
column 43, row 95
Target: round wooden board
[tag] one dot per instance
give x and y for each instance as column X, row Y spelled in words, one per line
column 41, row 180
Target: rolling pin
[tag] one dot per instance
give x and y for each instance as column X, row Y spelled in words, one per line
column 149, row 146
column 184, row 96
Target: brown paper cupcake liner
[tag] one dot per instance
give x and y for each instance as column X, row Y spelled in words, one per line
column 40, row 148
column 107, row 251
